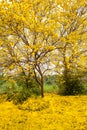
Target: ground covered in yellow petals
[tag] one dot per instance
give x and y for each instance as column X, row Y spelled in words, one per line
column 51, row 113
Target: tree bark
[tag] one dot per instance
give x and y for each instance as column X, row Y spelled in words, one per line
column 42, row 91
column 26, row 83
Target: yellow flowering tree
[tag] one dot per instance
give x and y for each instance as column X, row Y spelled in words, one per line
column 71, row 57
column 28, row 34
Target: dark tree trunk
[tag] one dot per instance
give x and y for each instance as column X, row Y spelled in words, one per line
column 42, row 86
column 40, row 80
column 42, row 91
column 26, row 83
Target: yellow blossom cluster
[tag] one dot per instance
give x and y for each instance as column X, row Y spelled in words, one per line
column 51, row 113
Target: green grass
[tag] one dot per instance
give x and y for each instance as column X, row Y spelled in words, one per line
column 50, row 88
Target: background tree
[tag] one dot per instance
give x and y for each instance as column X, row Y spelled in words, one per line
column 71, row 58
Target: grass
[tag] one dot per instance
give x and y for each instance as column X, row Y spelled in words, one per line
column 51, row 113
column 50, row 88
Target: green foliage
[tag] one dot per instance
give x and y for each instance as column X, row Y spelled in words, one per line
column 50, row 79
column 72, row 86
column 27, row 92
column 50, row 85
column 2, row 80
column 8, row 86
column 17, row 90
column 85, row 87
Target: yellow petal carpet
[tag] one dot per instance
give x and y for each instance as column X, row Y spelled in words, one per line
column 53, row 112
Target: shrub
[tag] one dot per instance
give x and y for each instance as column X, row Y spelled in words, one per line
column 9, row 86
column 72, row 86
column 19, row 92
column 25, row 93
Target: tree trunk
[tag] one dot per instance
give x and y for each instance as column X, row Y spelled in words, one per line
column 42, row 90
column 26, row 83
